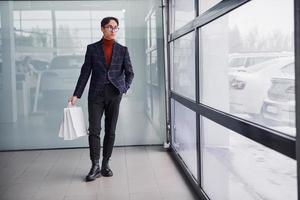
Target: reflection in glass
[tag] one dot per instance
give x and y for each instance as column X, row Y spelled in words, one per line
column 33, row 14
column 148, row 68
column 251, row 64
column 149, row 104
column 153, row 29
column 33, row 28
column 50, row 45
column 74, row 16
column 184, row 135
column 148, row 34
column 154, row 68
column 183, row 66
column 182, row 12
column 154, row 85
column 156, row 114
column 73, row 33
column 234, row 167
column 204, row 5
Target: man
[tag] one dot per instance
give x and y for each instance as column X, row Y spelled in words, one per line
column 112, row 74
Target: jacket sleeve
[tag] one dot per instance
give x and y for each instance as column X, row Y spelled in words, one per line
column 84, row 73
column 129, row 74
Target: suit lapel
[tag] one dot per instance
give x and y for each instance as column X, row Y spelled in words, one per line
column 100, row 52
column 113, row 54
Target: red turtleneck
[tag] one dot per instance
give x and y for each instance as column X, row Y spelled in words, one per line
column 107, row 47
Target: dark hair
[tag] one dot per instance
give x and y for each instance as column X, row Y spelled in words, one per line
column 106, row 20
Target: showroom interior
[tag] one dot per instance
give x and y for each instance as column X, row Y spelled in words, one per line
column 211, row 112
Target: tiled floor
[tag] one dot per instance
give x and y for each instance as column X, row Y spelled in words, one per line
column 140, row 173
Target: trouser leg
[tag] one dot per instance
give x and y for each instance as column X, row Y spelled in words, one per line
column 95, row 109
column 111, row 117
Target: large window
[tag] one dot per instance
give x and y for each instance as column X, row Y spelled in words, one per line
column 153, row 69
column 253, row 72
column 184, row 135
column 183, row 66
column 232, row 90
column 181, row 13
column 235, row 167
column 33, row 28
column 76, row 28
column 43, row 44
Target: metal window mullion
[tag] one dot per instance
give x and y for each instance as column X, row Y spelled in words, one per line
column 297, row 85
column 208, row 16
column 269, row 138
column 166, row 29
column 197, row 81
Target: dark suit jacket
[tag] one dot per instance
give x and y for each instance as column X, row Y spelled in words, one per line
column 120, row 71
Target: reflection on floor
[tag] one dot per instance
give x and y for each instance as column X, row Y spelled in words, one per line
column 140, row 173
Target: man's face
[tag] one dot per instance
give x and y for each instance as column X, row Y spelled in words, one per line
column 110, row 30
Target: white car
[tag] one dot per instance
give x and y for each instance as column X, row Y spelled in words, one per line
column 248, row 88
column 242, row 61
column 62, row 73
column 279, row 105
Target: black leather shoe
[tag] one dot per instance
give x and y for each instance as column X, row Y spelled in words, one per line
column 105, row 170
column 93, row 173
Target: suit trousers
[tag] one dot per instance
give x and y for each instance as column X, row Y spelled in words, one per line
column 107, row 102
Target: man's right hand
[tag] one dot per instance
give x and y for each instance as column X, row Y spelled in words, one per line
column 73, row 100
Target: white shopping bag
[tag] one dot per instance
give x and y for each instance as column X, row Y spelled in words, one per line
column 73, row 124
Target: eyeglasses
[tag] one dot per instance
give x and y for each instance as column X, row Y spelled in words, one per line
column 112, row 29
